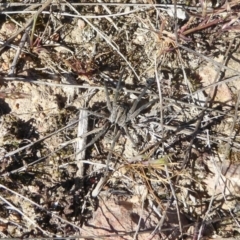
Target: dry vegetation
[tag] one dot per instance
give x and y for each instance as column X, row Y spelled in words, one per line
column 120, row 121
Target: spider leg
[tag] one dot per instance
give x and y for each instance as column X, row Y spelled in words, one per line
column 117, row 89
column 94, row 113
column 113, row 109
column 129, row 136
column 104, row 179
column 102, row 131
column 134, row 106
column 146, row 105
column 109, row 105
column 117, row 135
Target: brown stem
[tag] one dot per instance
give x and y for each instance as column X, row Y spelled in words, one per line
column 204, row 26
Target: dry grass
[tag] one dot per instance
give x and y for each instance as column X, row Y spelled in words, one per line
column 71, row 168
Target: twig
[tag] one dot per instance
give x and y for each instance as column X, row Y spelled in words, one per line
column 109, row 12
column 29, row 22
column 139, row 221
column 40, row 207
column 215, row 84
column 201, row 115
column 104, row 179
column 218, row 76
column 22, row 214
column 200, row 27
column 75, row 140
column 107, row 40
column 38, row 141
column 209, row 59
column 160, row 100
column 175, row 198
column 231, row 132
column 81, row 143
column 184, row 6
column 87, row 86
column 21, row 45
column 77, row 16
column 14, row 47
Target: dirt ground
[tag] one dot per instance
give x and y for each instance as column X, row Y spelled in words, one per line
column 119, row 120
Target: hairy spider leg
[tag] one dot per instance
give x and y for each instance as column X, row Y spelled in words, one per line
column 104, row 179
column 134, row 106
column 129, row 136
column 94, row 113
column 109, row 105
column 146, row 105
column 112, row 108
column 101, row 132
column 118, row 89
column 117, row 135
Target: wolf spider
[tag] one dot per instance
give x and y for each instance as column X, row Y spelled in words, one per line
column 119, row 116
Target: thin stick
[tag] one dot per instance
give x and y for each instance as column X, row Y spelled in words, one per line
column 160, row 100
column 29, row 22
column 106, row 39
column 109, row 12
column 38, row 141
column 22, row 214
column 175, row 198
column 40, row 207
column 86, row 86
column 109, row 4
column 81, row 143
column 21, row 45
column 218, row 76
column 220, row 65
column 77, row 16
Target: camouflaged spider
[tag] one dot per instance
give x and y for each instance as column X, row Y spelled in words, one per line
column 119, row 116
